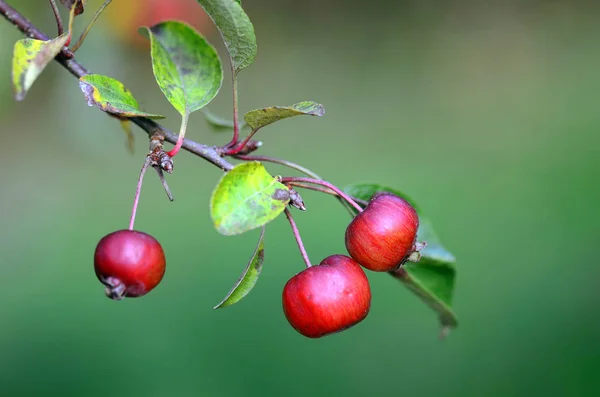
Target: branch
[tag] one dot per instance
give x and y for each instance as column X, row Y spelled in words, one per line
column 66, row 59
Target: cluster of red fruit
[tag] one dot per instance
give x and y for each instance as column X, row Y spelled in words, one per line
column 336, row 294
column 318, row 301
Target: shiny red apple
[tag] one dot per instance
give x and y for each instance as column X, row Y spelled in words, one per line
column 328, row 298
column 383, row 236
column 129, row 263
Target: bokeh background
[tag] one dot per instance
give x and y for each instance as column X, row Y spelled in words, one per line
column 487, row 113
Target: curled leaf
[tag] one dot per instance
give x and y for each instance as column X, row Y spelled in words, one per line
column 261, row 117
column 111, row 96
column 30, row 58
column 249, row 276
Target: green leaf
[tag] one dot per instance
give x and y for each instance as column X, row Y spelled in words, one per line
column 365, row 191
column 261, row 117
column 30, row 58
column 435, row 251
column 186, row 67
column 249, row 277
column 218, row 123
column 247, row 197
column 111, row 96
column 432, row 278
column 433, row 284
column 236, row 29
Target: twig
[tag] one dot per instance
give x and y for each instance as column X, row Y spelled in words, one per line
column 76, row 46
column 350, row 200
column 163, row 180
column 65, row 58
column 297, row 237
column 296, row 167
column 275, row 160
column 59, row 23
column 236, row 125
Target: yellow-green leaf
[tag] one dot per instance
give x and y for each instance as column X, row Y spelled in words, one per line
column 247, row 197
column 30, row 58
column 111, row 96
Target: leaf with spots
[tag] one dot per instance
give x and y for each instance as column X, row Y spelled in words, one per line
column 111, row 96
column 432, row 278
column 186, row 67
column 236, row 29
column 247, row 197
column 30, row 58
column 259, row 118
column 249, row 277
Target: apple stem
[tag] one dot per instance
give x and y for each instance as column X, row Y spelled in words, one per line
column 59, row 23
column 299, row 168
column 138, row 190
column 325, row 190
column 236, row 125
column 296, row 233
column 327, row 185
column 285, row 163
column 184, row 122
column 87, row 29
column 239, row 147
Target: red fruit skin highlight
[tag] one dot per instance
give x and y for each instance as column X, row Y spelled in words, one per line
column 382, row 236
column 328, row 298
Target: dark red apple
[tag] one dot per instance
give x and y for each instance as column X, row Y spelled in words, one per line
column 383, row 236
column 328, row 298
column 129, row 263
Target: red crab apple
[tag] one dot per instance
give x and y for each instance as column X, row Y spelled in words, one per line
column 383, row 236
column 129, row 263
column 327, row 298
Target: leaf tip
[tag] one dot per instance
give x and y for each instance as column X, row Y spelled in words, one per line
column 20, row 95
column 444, row 332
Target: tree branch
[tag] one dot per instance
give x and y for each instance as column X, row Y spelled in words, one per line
column 66, row 59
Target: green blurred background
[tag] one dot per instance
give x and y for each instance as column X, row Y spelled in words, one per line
column 487, row 114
